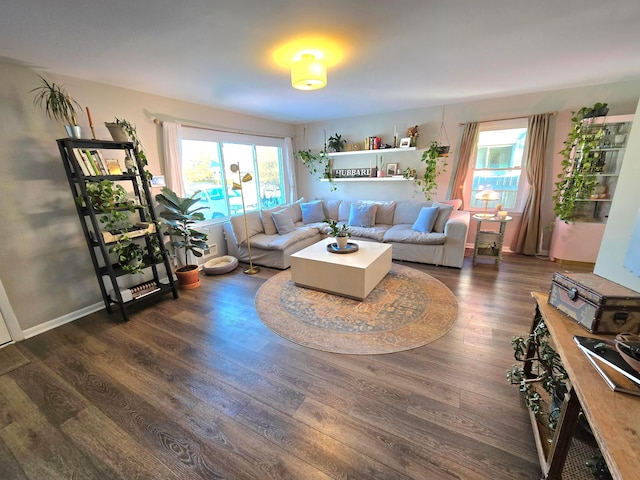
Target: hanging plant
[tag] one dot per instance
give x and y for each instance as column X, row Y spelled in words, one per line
column 131, row 132
column 318, row 164
column 435, row 165
column 580, row 163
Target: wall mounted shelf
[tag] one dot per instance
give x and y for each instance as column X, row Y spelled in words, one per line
column 369, row 179
column 378, row 151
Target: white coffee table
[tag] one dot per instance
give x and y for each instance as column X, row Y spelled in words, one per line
column 351, row 275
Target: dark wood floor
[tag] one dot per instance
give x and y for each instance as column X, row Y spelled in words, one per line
column 199, row 388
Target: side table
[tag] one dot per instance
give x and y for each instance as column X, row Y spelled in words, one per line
column 488, row 243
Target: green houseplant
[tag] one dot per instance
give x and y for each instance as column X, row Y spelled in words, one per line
column 180, row 214
column 336, row 143
column 434, row 167
column 340, row 232
column 58, row 104
column 581, row 160
column 124, row 131
column 318, row 164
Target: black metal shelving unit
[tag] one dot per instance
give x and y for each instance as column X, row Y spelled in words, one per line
column 108, row 272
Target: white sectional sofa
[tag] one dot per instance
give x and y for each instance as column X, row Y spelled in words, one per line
column 276, row 233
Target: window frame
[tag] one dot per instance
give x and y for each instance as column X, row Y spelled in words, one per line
column 220, row 138
column 523, row 186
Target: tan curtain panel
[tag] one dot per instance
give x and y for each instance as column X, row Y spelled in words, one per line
column 467, row 152
column 535, row 149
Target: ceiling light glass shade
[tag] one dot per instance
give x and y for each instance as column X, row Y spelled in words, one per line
column 308, row 73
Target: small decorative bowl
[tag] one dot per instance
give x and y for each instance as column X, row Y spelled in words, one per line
column 628, row 346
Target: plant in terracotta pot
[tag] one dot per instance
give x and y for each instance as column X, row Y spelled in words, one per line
column 434, row 167
column 340, row 232
column 58, row 104
column 180, row 214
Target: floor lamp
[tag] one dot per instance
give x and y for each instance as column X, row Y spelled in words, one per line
column 235, row 168
column 487, row 195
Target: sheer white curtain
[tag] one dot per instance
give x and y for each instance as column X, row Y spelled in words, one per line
column 288, row 160
column 171, row 136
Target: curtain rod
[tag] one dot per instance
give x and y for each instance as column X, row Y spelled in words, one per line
column 503, row 119
column 157, row 121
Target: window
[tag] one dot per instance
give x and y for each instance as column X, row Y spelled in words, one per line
column 498, row 164
column 206, row 160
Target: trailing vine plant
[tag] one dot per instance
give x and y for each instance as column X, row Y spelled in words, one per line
column 130, row 130
column 435, row 165
column 318, row 164
column 580, row 163
column 546, row 369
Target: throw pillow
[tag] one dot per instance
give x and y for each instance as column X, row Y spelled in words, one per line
column 267, row 221
column 426, row 219
column 443, row 216
column 283, row 222
column 385, row 211
column 362, row 215
column 312, row 212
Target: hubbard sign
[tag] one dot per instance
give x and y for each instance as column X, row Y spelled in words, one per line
column 350, row 172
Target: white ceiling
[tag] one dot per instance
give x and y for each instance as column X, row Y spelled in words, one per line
column 397, row 55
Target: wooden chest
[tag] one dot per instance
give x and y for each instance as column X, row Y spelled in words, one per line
column 598, row 304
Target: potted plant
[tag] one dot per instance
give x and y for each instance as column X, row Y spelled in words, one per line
column 580, row 163
column 124, row 131
column 598, row 110
column 340, row 232
column 336, row 143
column 59, row 105
column 434, row 168
column 179, row 214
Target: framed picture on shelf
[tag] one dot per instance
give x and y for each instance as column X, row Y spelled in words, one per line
column 392, row 168
column 405, row 142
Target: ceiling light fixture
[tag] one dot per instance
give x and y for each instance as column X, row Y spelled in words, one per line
column 308, row 73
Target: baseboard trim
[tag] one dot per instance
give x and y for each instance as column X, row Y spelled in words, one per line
column 56, row 322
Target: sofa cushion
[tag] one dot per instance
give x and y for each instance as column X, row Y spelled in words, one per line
column 403, row 233
column 267, row 221
column 375, row 232
column 254, row 226
column 283, row 222
column 282, row 242
column 294, row 210
column 443, row 216
column 426, row 219
column 407, row 212
column 344, row 210
column 331, row 208
column 312, row 212
column 456, row 203
column 385, row 211
column 362, row 215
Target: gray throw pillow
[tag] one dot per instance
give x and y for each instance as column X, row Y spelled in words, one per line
column 283, row 222
column 443, row 216
column 362, row 215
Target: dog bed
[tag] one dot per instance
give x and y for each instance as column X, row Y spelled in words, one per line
column 220, row 265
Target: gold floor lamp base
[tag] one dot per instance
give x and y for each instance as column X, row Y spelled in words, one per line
column 251, row 270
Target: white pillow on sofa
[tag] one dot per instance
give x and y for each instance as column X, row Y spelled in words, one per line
column 283, row 221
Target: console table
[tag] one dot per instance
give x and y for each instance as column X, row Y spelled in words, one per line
column 614, row 417
column 488, row 243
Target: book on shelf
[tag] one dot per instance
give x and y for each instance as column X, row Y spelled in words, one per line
column 97, row 157
column 92, row 162
column 608, row 356
column 82, row 162
column 136, row 292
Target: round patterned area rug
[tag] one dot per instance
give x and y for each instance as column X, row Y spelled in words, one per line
column 406, row 310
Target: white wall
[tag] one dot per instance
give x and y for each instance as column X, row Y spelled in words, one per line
column 624, row 212
column 622, row 98
column 44, row 263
